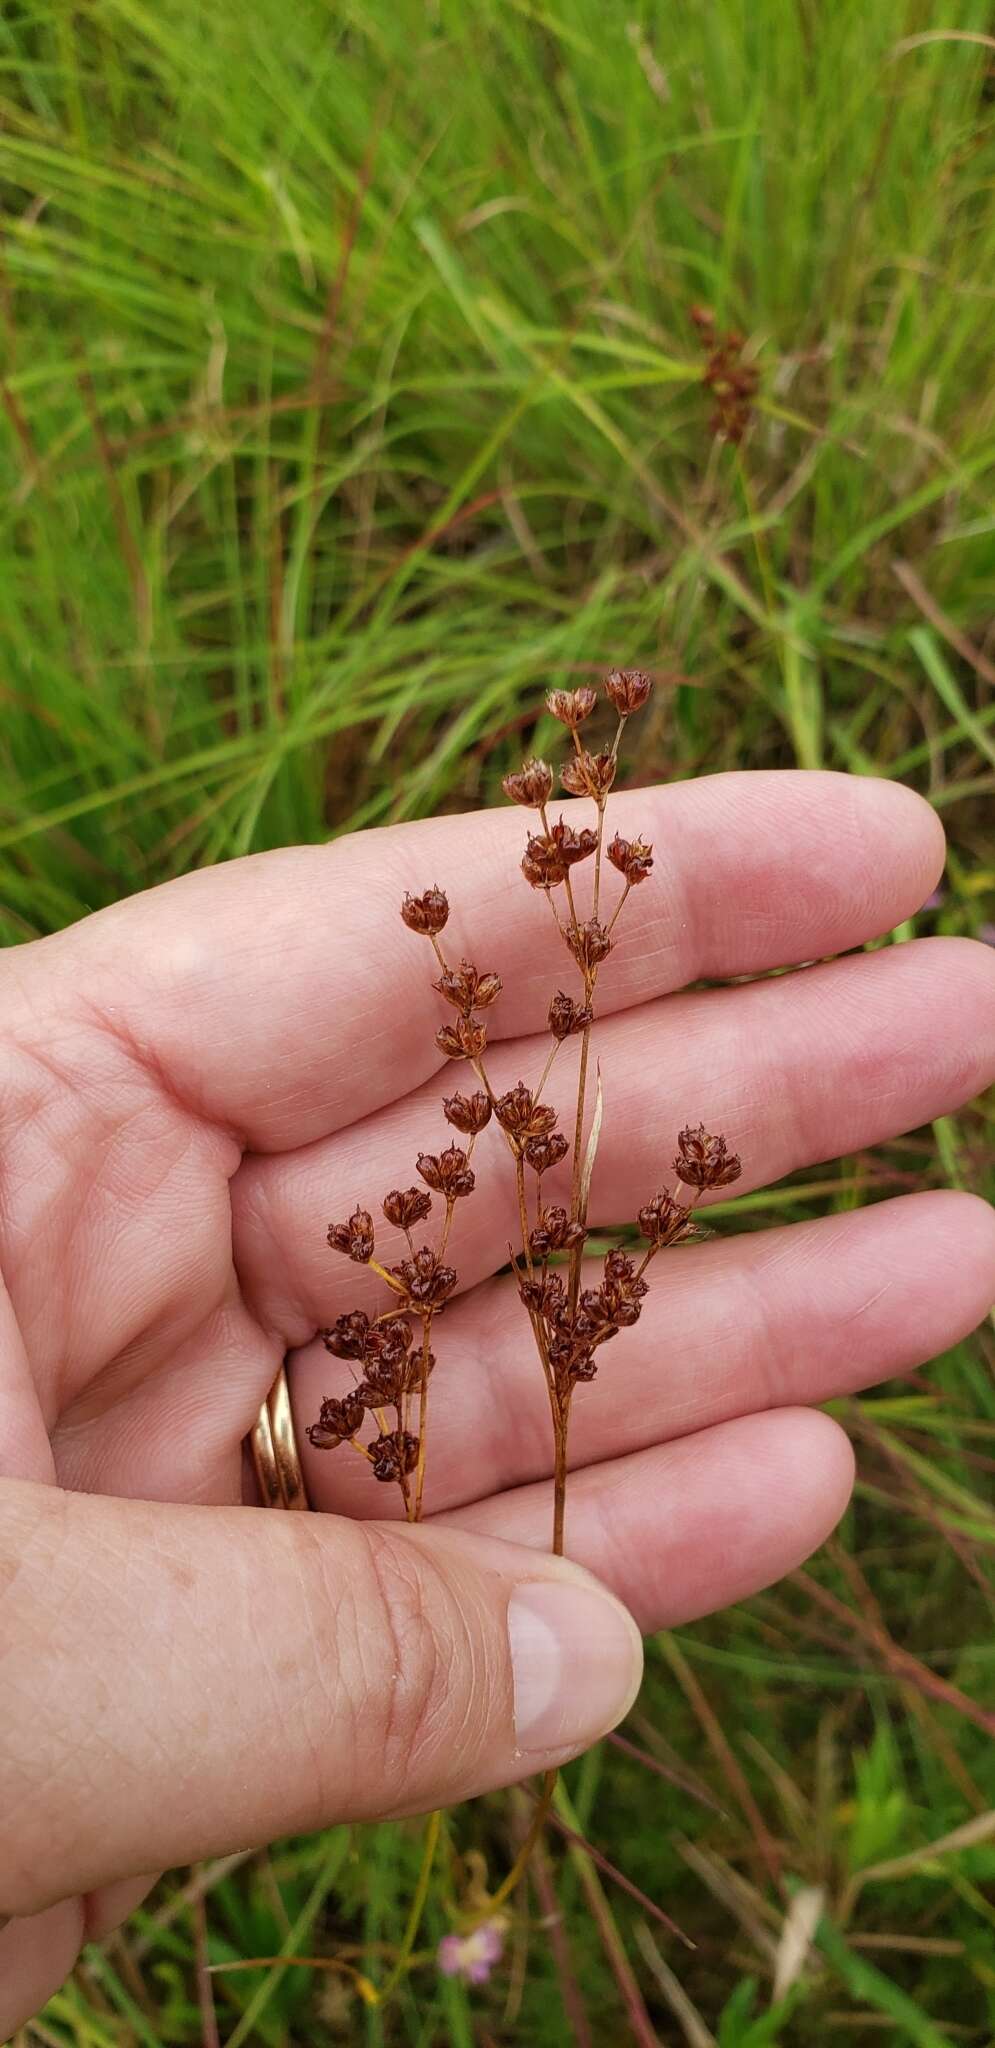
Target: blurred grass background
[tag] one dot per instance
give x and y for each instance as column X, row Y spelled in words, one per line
column 349, row 395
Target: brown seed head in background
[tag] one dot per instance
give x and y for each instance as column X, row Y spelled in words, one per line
column 571, row 707
column 704, row 1161
column 426, row 913
column 468, row 1113
column 354, row 1238
column 628, row 689
column 532, row 786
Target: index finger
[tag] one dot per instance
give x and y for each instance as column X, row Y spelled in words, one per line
column 281, row 996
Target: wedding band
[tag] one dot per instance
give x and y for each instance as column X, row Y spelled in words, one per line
column 274, row 1450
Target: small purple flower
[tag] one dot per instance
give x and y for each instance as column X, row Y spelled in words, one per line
column 935, row 901
column 471, row 1956
column 986, row 933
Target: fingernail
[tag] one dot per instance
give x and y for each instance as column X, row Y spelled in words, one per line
column 577, row 1661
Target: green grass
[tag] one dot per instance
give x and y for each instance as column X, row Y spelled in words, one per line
column 349, row 393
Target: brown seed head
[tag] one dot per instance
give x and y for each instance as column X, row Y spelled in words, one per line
column 425, row 1278
column 628, row 689
column 542, row 1154
column 571, row 707
column 468, row 1113
column 704, row 1161
column 391, row 1367
column 586, row 774
column 732, row 382
column 554, row 1232
column 466, row 989
column 566, row 1016
column 348, row 1337
column 545, row 1294
column 595, row 1320
column 394, row 1454
column 405, row 1206
column 703, row 318
column 589, row 944
column 426, row 913
column 337, row 1420
column 533, row 786
column 389, row 1379
column 522, row 1117
column 464, row 1040
column 665, row 1221
column 632, row 857
column 623, row 1289
column 389, row 1337
column 447, row 1172
column 549, row 855
column 354, row 1238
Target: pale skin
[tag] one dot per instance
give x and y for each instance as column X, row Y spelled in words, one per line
column 194, row 1083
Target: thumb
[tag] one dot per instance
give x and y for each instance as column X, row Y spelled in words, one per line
column 184, row 1681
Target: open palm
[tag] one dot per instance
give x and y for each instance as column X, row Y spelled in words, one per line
column 196, row 1081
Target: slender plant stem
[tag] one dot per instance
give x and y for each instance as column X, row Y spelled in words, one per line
column 618, row 907
column 450, row 1206
column 410, row 1936
column 388, row 1278
column 597, row 856
column 561, row 1422
column 478, row 1068
column 575, row 1215
column 422, row 1415
column 523, row 1211
column 508, row 1883
column 544, row 1076
column 568, row 886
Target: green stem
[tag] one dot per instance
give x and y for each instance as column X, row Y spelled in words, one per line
column 518, row 1868
column 410, row 1935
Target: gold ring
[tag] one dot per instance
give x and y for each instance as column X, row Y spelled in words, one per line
column 274, row 1450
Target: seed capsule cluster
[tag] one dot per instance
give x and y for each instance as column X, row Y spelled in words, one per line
column 573, row 1311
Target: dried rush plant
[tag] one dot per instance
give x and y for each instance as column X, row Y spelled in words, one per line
column 570, row 1322
column 392, row 1352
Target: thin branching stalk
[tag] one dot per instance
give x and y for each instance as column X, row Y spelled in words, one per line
column 570, row 1322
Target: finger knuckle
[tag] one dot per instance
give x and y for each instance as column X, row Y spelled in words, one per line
column 406, row 1712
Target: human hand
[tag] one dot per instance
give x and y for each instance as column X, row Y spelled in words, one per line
column 194, row 1082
